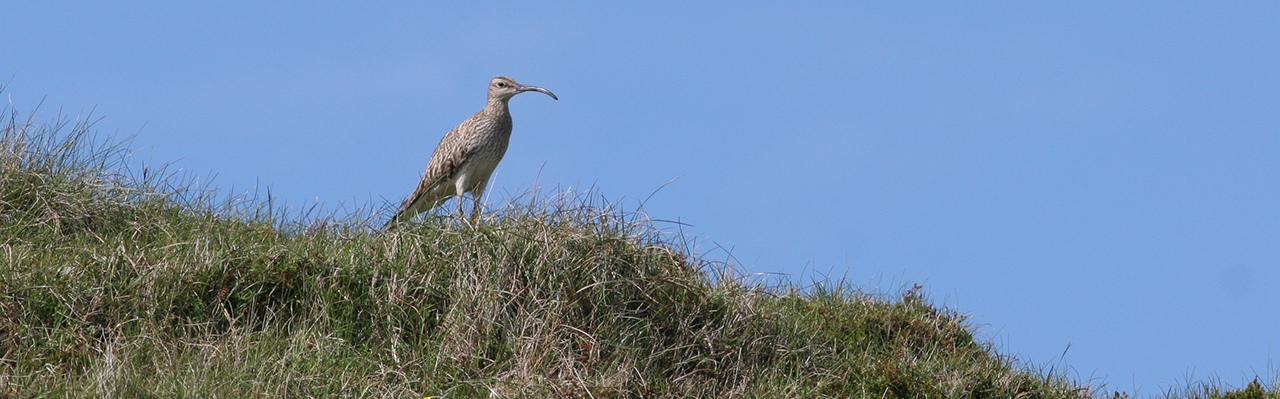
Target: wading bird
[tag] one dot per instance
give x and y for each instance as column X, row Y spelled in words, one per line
column 467, row 155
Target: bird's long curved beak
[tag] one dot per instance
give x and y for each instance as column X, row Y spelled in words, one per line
column 524, row 88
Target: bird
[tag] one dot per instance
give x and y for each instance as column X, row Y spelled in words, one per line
column 467, row 155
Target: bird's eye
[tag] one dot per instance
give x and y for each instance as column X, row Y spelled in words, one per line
column 502, row 84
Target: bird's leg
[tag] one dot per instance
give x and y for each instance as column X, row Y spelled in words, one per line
column 462, row 213
column 475, row 207
column 476, row 195
column 461, row 187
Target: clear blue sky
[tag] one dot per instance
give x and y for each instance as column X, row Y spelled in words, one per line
column 1095, row 175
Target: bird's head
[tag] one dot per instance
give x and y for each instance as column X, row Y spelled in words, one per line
column 504, row 88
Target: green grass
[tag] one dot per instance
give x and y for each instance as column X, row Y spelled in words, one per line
column 116, row 283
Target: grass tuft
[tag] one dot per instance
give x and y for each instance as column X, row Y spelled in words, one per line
column 1216, row 388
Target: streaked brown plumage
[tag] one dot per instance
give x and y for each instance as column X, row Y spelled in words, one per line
column 467, row 155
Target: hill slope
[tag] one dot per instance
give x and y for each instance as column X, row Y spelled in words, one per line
column 120, row 286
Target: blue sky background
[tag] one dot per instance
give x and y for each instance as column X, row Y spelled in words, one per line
column 1091, row 175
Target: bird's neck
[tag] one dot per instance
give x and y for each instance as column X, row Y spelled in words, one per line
column 496, row 106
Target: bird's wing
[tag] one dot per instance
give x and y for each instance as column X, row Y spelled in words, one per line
column 442, row 166
column 445, row 162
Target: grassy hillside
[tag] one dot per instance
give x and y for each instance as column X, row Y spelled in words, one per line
column 129, row 284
